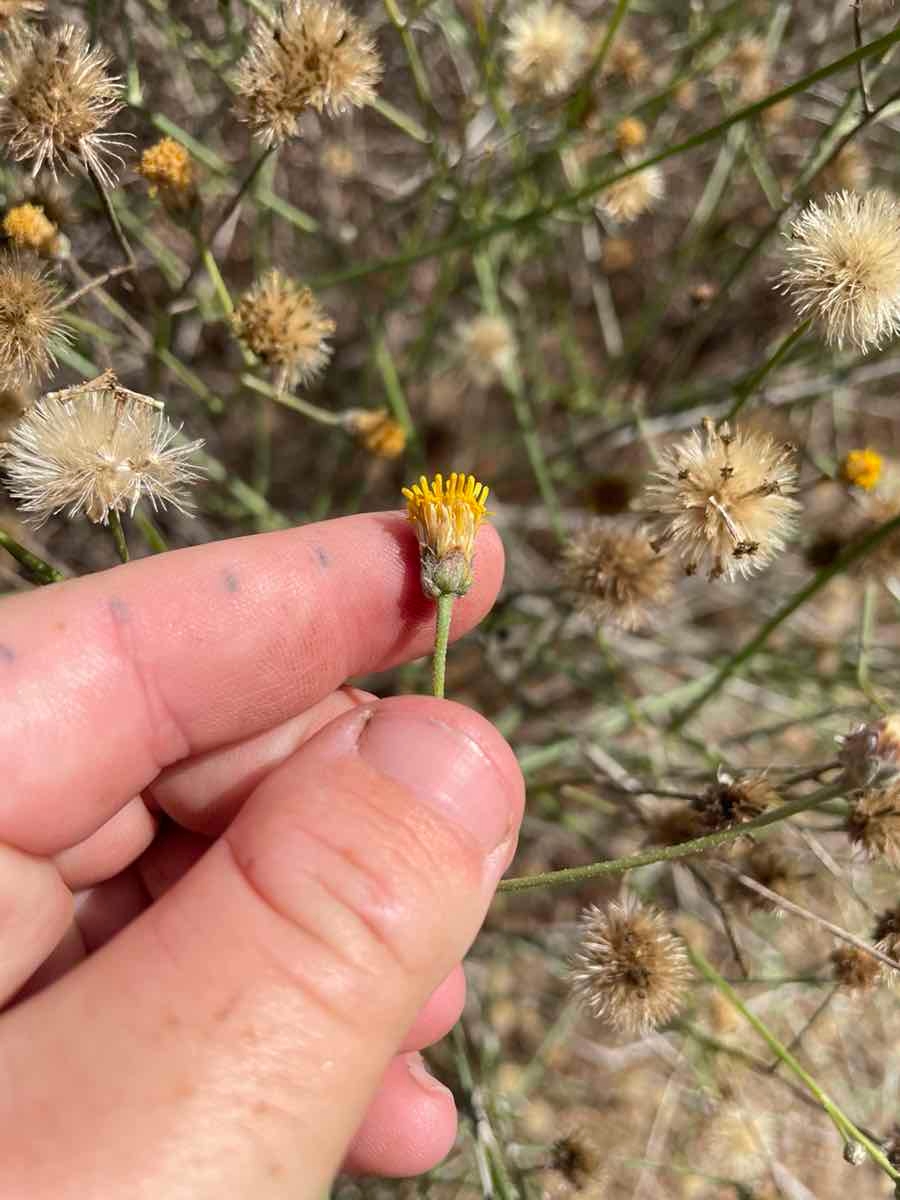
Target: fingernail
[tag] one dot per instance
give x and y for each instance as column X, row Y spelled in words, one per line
column 445, row 768
column 415, row 1064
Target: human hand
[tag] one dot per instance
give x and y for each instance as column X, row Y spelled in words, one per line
column 284, row 873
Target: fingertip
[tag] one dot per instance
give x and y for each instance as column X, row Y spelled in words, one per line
column 439, row 1013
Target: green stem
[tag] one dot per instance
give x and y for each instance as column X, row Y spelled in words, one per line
column 859, row 550
column 321, row 415
column 745, row 390
column 583, row 96
column 617, row 866
column 118, row 533
column 111, row 214
column 212, row 269
column 441, row 638
column 845, row 1127
column 152, row 535
column 472, row 237
column 40, row 571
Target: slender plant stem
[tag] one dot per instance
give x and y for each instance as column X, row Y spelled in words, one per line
column 321, row 415
column 212, row 269
column 441, row 638
column 571, row 199
column 152, row 534
column 111, row 214
column 118, row 533
column 92, row 284
column 39, row 570
column 582, row 98
column 845, row 1127
column 855, row 5
column 742, row 656
column 745, row 390
column 618, row 866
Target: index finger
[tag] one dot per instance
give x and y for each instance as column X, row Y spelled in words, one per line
column 105, row 680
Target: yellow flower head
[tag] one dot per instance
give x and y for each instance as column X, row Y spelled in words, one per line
column 862, row 468
column 28, row 228
column 168, row 168
column 446, row 514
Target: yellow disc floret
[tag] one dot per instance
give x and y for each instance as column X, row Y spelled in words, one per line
column 446, row 514
column 27, row 227
column 168, row 168
column 862, row 468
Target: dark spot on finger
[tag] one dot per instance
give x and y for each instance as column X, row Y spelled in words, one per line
column 322, row 556
column 7, row 654
column 119, row 610
column 232, row 583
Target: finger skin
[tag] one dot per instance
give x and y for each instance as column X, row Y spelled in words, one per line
column 199, row 1052
column 35, row 911
column 408, row 1128
column 106, row 680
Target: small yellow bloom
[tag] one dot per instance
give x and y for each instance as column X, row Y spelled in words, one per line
column 446, row 514
column 28, row 228
column 862, row 468
column 377, row 432
column 631, row 134
column 168, row 168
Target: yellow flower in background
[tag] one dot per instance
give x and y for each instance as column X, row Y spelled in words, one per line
column 27, row 227
column 862, row 468
column 446, row 514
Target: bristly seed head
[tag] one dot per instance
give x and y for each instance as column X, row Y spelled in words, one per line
column 30, row 320
column 871, row 752
column 316, row 55
column 14, row 11
column 546, row 48
column 724, row 500
column 854, row 970
column 844, row 268
column 56, row 97
column 873, row 822
column 629, row 969
column 616, row 574
column 629, row 198
column 487, row 347
column 729, row 801
column 284, row 325
column 94, row 449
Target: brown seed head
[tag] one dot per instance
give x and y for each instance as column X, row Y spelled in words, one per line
column 776, row 870
column 629, row 969
column 631, row 134
column 168, row 168
column 616, row 574
column 747, row 67
column 28, row 228
column 874, row 822
column 729, row 801
column 57, row 98
column 285, row 326
column 844, row 268
column 724, row 500
column 316, row 55
column 871, row 752
column 626, row 60
column 853, row 969
column 376, row 431
column 578, row 1158
column 29, row 321
column 629, row 198
column 546, row 47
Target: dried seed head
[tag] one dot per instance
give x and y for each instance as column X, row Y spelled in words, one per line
column 862, row 468
column 631, row 134
column 578, row 1158
column 169, row 169
column 14, row 11
column 545, row 48
column 56, row 97
column 774, row 869
column 27, row 227
column 446, row 514
column 316, row 55
column 844, row 268
column 629, row 969
column 874, row 822
column 870, row 752
column 747, row 67
column 853, row 969
column 626, row 59
column 724, row 499
column 285, row 326
column 629, row 198
column 95, row 449
column 29, row 321
column 729, row 801
column 616, row 574
column 376, row 431
column 487, row 347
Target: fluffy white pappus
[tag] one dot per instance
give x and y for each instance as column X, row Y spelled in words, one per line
column 95, row 452
column 844, row 268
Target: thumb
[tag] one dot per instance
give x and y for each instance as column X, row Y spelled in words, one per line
column 230, row 1039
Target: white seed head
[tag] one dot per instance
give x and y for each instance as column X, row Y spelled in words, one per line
column 844, row 268
column 724, row 500
column 546, row 48
column 629, row 198
column 90, row 451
